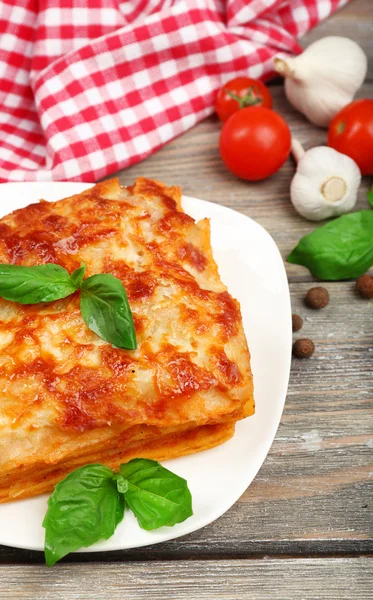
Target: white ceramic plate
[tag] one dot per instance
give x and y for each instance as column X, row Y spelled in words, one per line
column 251, row 266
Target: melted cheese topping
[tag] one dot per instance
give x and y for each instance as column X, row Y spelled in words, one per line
column 62, row 388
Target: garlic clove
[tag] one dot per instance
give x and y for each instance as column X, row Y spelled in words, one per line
column 324, row 78
column 325, row 184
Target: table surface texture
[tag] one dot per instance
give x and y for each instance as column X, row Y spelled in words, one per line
column 304, row 528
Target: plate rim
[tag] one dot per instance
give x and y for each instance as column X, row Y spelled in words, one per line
column 223, row 508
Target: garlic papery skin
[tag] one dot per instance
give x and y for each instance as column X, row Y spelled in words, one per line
column 324, row 78
column 325, row 184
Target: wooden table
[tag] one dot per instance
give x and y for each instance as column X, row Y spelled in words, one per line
column 303, row 529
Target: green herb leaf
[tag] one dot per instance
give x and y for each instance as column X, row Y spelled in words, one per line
column 30, row 285
column 84, row 508
column 157, row 496
column 341, row 249
column 370, row 196
column 105, row 309
column 77, row 276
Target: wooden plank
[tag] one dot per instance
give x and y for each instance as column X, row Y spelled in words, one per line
column 354, row 21
column 193, row 162
column 304, row 579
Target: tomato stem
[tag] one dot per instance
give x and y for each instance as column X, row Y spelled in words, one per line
column 249, row 100
column 341, row 126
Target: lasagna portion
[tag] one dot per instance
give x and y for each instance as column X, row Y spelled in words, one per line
column 67, row 398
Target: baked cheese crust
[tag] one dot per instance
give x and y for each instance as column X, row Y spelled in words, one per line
column 67, row 398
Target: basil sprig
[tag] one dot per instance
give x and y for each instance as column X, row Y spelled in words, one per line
column 84, row 508
column 103, row 299
column 105, row 309
column 77, row 276
column 341, row 249
column 88, row 504
column 155, row 495
column 41, row 283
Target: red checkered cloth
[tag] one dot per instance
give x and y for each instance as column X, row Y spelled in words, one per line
column 87, row 88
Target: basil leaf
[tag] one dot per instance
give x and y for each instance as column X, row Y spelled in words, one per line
column 156, row 496
column 84, row 508
column 105, row 309
column 370, row 196
column 30, row 285
column 341, row 249
column 77, row 276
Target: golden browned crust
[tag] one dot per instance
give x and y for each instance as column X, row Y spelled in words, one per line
column 42, row 479
column 67, row 397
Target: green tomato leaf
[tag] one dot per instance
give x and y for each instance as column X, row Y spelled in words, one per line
column 341, row 249
column 156, row 496
column 77, row 276
column 370, row 196
column 105, row 309
column 30, row 285
column 84, row 508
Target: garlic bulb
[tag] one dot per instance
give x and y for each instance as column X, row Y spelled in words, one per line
column 325, row 184
column 324, row 78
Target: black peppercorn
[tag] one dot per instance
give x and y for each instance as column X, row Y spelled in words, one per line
column 317, row 297
column 303, row 348
column 364, row 286
column 297, row 322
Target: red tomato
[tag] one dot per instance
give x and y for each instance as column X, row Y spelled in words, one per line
column 351, row 132
column 254, row 143
column 248, row 92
